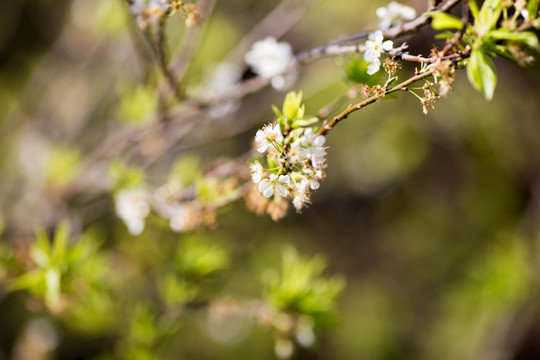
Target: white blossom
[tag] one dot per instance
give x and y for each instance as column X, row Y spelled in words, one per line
column 373, row 66
column 375, row 45
column 374, row 48
column 394, row 13
column 219, row 81
column 284, row 81
column 300, row 196
column 313, row 147
column 275, row 184
column 179, row 217
column 147, row 12
column 268, row 57
column 133, row 208
column 257, row 172
column 264, row 138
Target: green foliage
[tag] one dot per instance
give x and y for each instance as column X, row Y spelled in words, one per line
column 62, row 165
column 481, row 73
column 293, row 112
column 356, row 71
column 301, row 289
column 527, row 38
column 197, row 258
column 137, row 105
column 444, row 21
column 58, row 265
column 186, row 169
column 124, row 176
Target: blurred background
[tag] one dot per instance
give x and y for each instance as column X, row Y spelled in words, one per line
column 433, row 221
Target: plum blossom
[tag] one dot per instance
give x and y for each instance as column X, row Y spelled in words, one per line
column 374, row 48
column 265, row 138
column 147, row 12
column 393, row 14
column 257, row 172
column 276, row 184
column 269, row 58
column 219, row 81
column 133, row 208
column 313, row 147
column 183, row 217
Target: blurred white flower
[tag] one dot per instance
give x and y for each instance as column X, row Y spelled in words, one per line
column 147, row 12
column 179, row 217
column 284, row 81
column 133, row 208
column 394, row 13
column 265, row 138
column 219, row 81
column 268, row 57
column 257, row 172
column 373, row 66
column 276, row 183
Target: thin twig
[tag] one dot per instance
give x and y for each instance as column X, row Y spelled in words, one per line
column 191, row 41
column 327, row 126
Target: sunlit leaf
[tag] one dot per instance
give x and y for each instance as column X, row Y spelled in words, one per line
column 444, row 21
column 481, row 73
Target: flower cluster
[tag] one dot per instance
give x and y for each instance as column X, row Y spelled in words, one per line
column 393, row 14
column 148, row 12
column 374, row 48
column 295, row 155
column 270, row 59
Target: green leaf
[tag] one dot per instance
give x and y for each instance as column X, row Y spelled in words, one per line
column 137, row 105
column 474, row 10
column 489, row 14
column 532, row 7
column 53, row 279
column 41, row 249
column 62, row 165
column 61, row 236
column 291, row 105
column 527, row 37
column 305, row 122
column 445, row 35
column 356, row 71
column 481, row 73
column 27, row 280
column 276, row 111
column 444, row 21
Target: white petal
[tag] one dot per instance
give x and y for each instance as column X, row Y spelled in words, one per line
column 382, row 12
column 266, row 188
column 135, row 226
column 282, row 190
column 319, row 140
column 298, row 203
column 408, row 13
column 284, row 179
column 371, row 55
column 385, row 24
column 373, row 66
column 376, row 36
column 387, row 45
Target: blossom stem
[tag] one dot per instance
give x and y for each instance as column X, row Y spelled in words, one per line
column 327, row 126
